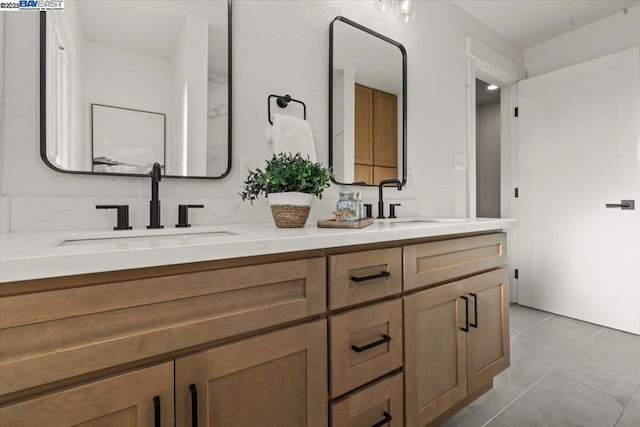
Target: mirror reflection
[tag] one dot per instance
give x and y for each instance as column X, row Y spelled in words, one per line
column 367, row 105
column 130, row 83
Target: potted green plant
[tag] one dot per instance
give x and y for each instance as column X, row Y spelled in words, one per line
column 289, row 181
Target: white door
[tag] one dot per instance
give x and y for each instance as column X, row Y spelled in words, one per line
column 579, row 148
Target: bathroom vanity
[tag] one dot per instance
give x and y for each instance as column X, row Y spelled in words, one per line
column 396, row 324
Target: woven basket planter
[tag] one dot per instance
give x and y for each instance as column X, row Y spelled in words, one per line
column 290, row 210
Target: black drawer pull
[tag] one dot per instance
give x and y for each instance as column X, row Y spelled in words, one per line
column 466, row 314
column 194, row 405
column 475, row 310
column 156, row 411
column 387, row 418
column 385, row 339
column 373, row 276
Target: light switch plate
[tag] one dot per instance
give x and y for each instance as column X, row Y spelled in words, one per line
column 460, row 161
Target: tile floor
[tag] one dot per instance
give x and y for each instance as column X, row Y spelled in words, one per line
column 563, row 373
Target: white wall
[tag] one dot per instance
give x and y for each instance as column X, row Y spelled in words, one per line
column 347, row 157
column 79, row 153
column 217, row 129
column 488, row 159
column 609, row 35
column 268, row 57
column 190, row 81
column 338, row 124
column 74, row 154
column 197, row 78
column 176, row 163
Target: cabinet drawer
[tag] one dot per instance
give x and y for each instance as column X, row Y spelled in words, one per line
column 364, row 276
column 370, row 406
column 50, row 336
column 434, row 262
column 365, row 344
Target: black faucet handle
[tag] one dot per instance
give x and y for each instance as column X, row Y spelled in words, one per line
column 368, row 210
column 123, row 215
column 183, row 215
column 392, row 209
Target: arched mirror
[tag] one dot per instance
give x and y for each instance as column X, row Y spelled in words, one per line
column 125, row 84
column 367, row 105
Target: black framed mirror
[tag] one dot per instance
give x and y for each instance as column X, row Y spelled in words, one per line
column 367, row 105
column 125, row 84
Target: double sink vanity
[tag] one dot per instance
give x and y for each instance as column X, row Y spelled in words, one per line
column 400, row 323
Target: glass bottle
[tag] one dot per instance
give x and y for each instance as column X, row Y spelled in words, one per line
column 359, row 205
column 347, row 206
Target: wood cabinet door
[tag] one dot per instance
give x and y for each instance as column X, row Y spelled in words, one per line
column 382, row 173
column 488, row 340
column 385, row 129
column 140, row 398
column 363, row 173
column 363, row 125
column 435, row 352
column 275, row 379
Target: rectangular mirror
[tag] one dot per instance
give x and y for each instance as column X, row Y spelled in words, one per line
column 367, row 105
column 124, row 84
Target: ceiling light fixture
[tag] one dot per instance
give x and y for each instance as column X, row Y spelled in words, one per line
column 492, row 87
column 405, row 9
column 383, row 5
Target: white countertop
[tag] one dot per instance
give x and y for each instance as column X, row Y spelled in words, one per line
column 26, row 256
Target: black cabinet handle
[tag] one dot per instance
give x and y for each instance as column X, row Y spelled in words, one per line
column 156, row 411
column 387, row 418
column 475, row 310
column 466, row 314
column 194, row 405
column 384, row 339
column 373, row 276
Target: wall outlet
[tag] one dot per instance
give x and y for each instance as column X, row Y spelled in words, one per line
column 460, row 161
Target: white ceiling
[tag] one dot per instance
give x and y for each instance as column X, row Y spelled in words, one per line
column 530, row 22
column 154, row 27
column 145, row 32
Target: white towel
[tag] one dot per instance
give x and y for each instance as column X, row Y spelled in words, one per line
column 291, row 135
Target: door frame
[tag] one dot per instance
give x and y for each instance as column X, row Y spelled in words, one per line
column 494, row 68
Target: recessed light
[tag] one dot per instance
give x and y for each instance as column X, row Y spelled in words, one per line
column 492, row 87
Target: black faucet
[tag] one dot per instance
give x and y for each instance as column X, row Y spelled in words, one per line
column 154, row 203
column 380, row 202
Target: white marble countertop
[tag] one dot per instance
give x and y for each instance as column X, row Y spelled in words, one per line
column 26, row 256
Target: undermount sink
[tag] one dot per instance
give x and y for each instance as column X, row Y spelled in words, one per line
column 141, row 238
column 421, row 220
